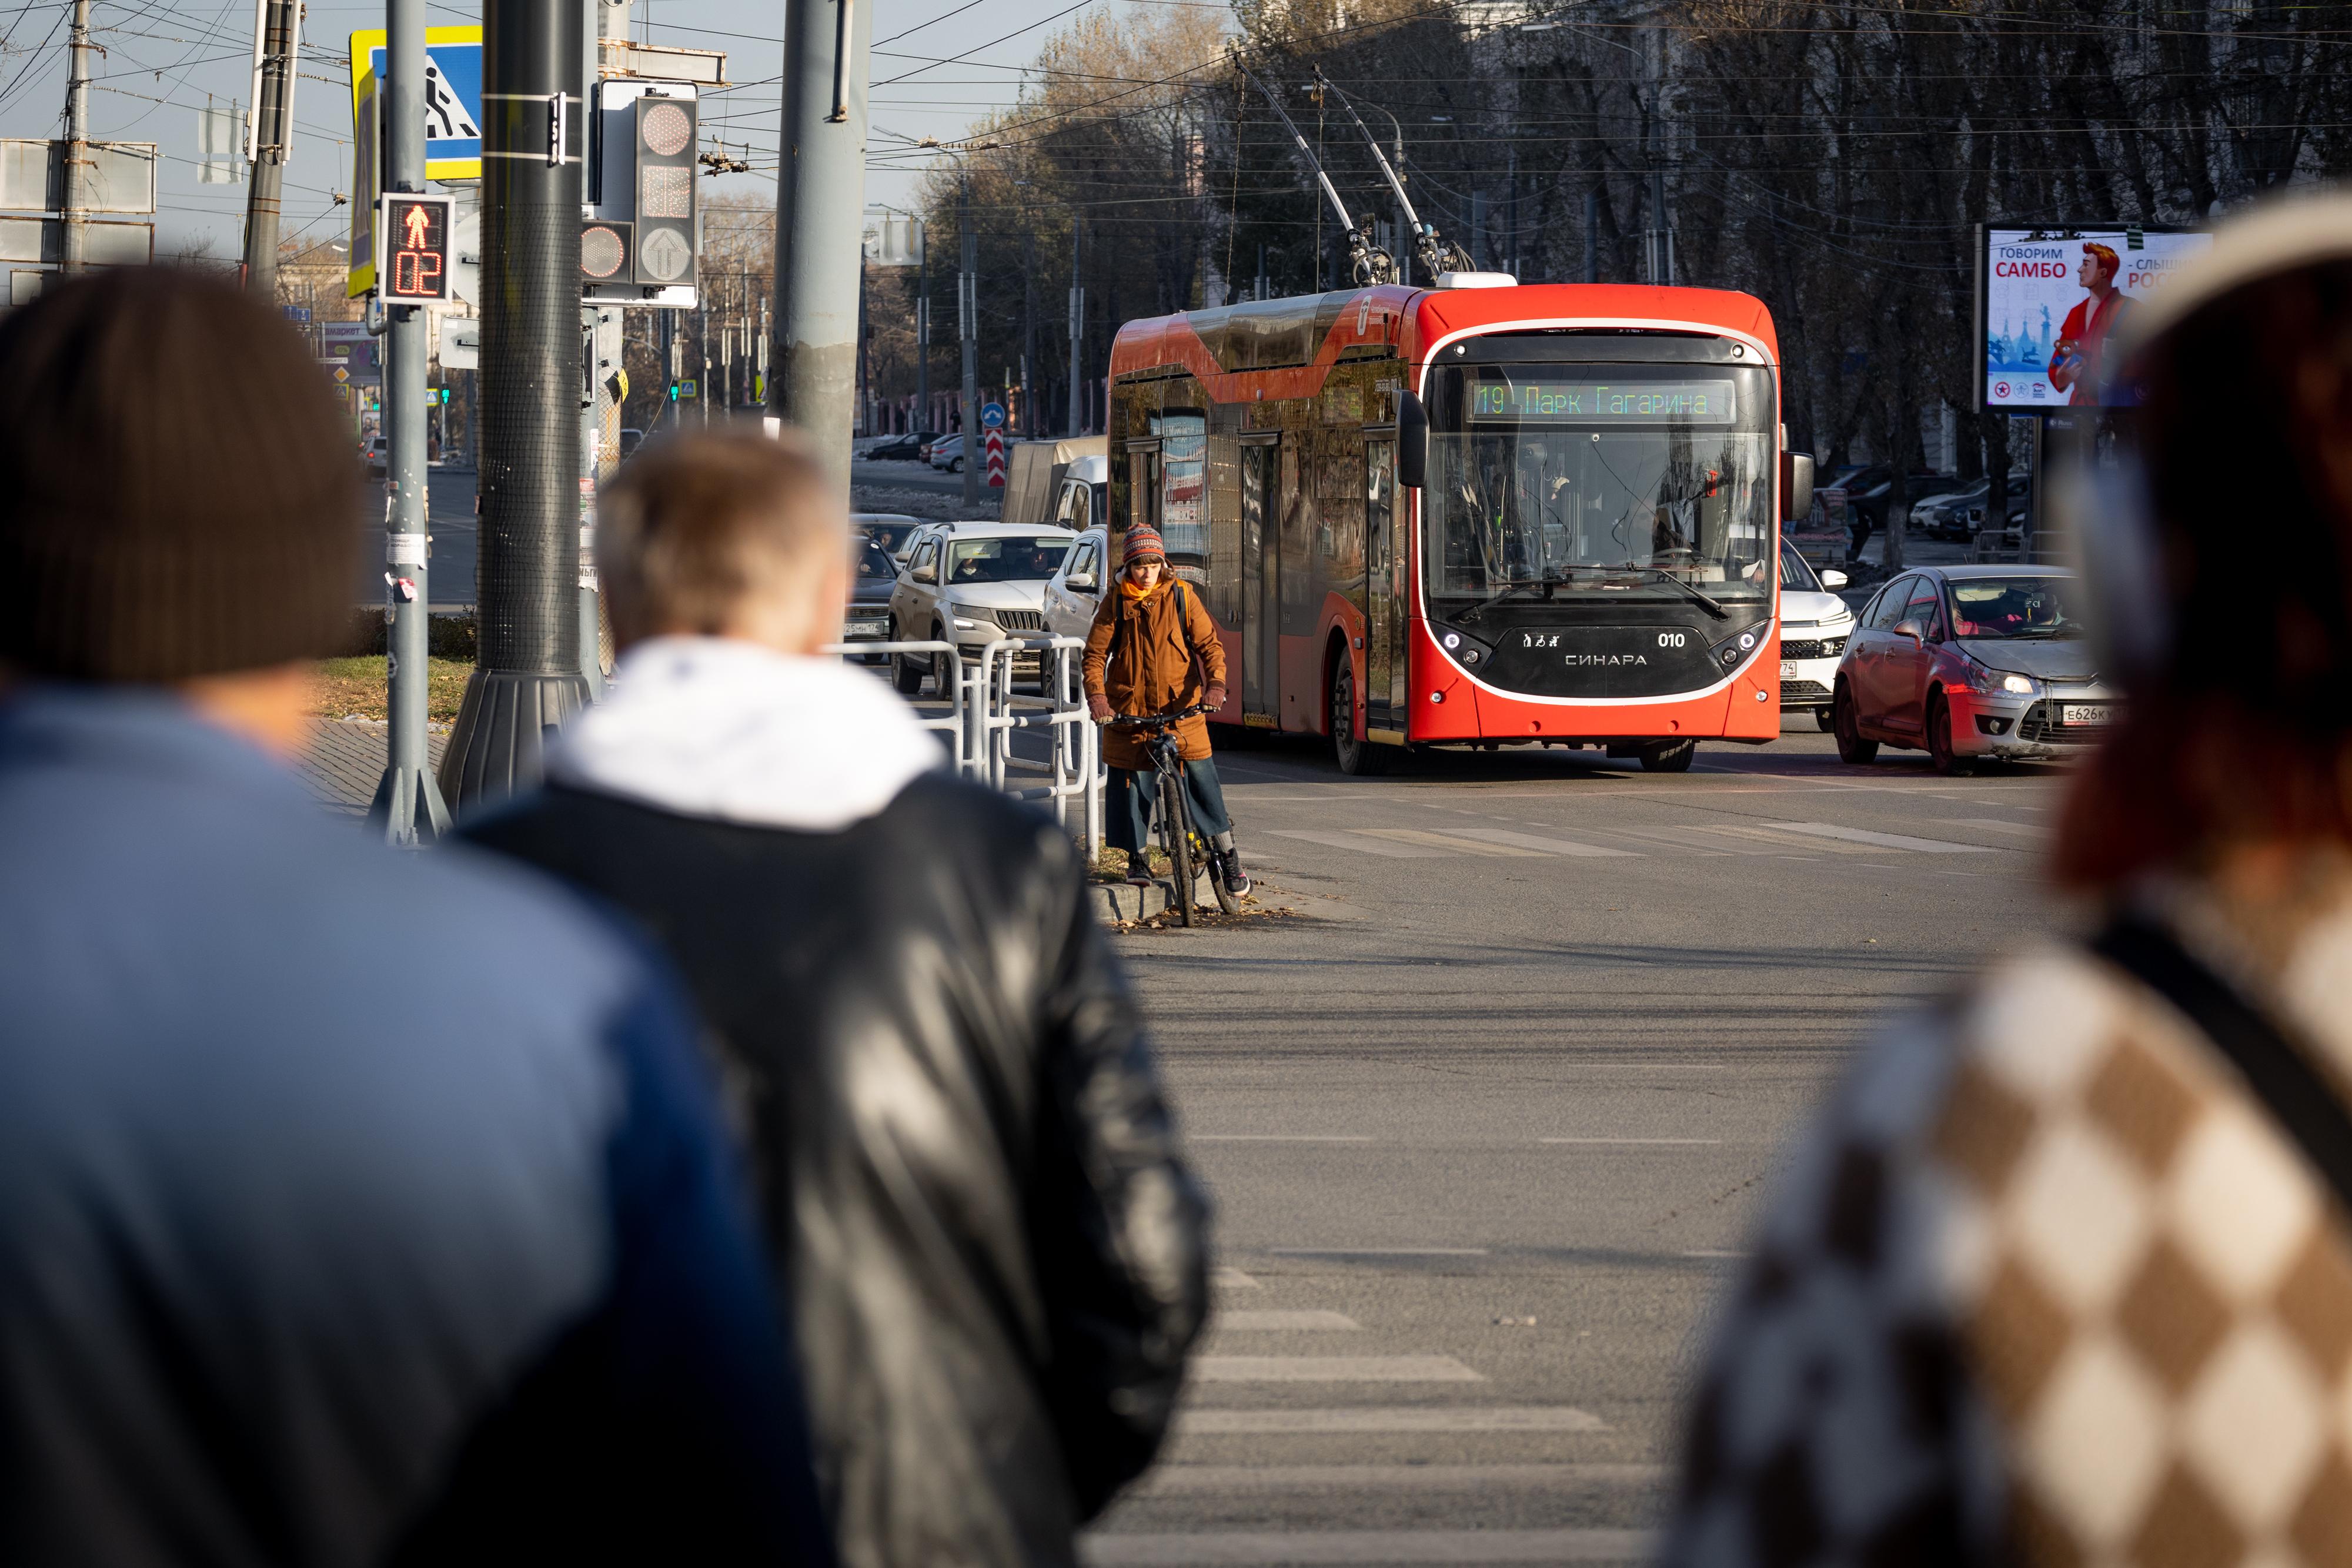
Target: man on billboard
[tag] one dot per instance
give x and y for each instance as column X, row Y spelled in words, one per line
column 2082, row 340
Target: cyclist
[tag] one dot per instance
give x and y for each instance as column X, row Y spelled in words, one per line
column 1153, row 648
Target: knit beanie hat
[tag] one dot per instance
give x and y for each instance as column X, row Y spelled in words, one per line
column 179, row 495
column 1143, row 544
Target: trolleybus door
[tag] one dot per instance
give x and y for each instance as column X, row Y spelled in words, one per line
column 1261, row 626
column 1383, row 599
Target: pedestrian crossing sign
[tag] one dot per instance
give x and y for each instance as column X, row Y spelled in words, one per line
column 453, row 96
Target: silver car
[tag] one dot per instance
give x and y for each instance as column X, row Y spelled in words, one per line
column 1970, row 662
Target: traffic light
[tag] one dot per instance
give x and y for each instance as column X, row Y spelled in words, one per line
column 607, row 250
column 413, row 233
column 673, row 392
column 664, row 147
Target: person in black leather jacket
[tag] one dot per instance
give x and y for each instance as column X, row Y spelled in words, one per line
column 973, row 1191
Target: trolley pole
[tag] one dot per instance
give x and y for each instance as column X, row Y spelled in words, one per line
column 527, row 674
column 76, row 199
column 272, row 139
column 821, row 206
column 968, row 327
column 408, row 801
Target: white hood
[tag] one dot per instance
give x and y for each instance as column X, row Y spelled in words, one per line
column 1800, row 607
column 1027, row 593
column 708, row 726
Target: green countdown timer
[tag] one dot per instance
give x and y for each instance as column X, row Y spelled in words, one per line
column 1616, row 403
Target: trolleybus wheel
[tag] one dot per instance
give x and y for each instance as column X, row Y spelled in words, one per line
column 1358, row 758
column 1852, row 746
column 1673, row 757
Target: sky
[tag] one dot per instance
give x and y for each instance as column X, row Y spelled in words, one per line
column 938, row 66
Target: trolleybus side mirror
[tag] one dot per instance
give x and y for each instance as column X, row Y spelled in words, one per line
column 1796, row 486
column 1412, row 441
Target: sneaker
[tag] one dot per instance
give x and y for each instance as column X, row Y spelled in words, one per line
column 1229, row 867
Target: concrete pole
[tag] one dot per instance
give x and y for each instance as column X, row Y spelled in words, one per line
column 76, row 199
column 527, row 674
column 273, row 139
column 592, row 397
column 923, row 344
column 1077, row 337
column 820, row 205
column 408, row 801
column 968, row 318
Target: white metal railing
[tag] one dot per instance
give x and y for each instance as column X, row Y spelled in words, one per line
column 984, row 712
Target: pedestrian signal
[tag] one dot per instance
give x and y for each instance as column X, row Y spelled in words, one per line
column 673, row 392
column 664, row 192
column 415, row 233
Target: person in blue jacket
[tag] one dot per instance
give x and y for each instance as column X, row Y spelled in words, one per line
column 356, row 1208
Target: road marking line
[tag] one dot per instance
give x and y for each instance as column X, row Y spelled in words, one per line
column 1279, row 1137
column 1390, row 1419
column 1672, row 841
column 1317, row 1546
column 1331, row 1369
column 1274, row 1321
column 2023, row 830
column 1460, row 845
column 1378, row 1251
column 1231, row 1279
column 1693, row 1142
column 1886, row 841
column 1194, row 1479
column 1356, row 841
column 1535, row 842
column 1778, row 840
column 1708, row 1252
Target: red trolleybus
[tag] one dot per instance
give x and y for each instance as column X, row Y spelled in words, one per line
column 1544, row 514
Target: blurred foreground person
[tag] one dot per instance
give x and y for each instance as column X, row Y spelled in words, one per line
column 355, row 1207
column 972, row 1185
column 2066, row 1276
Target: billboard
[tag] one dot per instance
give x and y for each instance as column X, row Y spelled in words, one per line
column 2050, row 296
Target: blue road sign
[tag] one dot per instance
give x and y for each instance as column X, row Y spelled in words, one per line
column 992, row 416
column 453, row 96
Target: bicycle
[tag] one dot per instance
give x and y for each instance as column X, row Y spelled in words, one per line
column 1179, row 840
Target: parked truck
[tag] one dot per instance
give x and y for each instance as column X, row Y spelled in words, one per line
column 1061, row 483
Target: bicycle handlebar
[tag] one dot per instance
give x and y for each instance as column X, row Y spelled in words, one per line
column 1174, row 716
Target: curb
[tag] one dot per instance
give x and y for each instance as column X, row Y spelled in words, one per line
column 1123, row 903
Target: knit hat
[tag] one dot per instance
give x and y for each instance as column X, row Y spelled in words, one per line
column 183, row 498
column 1143, row 544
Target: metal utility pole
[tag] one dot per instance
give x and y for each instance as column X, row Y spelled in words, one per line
column 923, row 344
column 76, row 197
column 526, row 676
column 409, row 802
column 821, row 192
column 1077, row 337
column 968, row 328
column 268, row 141
column 1029, row 422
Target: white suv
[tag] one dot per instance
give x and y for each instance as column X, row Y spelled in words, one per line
column 1075, row 591
column 971, row 584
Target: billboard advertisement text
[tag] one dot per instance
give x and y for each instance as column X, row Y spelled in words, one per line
column 2052, row 303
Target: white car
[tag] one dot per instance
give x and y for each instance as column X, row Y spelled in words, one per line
column 1075, row 593
column 971, row 584
column 1814, row 626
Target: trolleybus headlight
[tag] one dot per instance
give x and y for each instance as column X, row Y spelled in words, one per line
column 1452, row 640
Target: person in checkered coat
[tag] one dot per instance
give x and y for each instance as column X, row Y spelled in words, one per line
column 2051, row 1281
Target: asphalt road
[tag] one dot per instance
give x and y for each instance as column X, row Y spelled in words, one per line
column 1487, row 1133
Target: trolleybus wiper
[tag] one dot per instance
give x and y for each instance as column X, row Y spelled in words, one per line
column 1714, row 606
column 1368, row 261
column 1434, row 255
column 1519, row 586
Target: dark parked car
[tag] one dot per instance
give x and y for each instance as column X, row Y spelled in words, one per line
column 892, row 530
column 1868, row 490
column 872, row 576
column 1970, row 662
column 905, row 449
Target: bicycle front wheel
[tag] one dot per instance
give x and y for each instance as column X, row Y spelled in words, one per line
column 1176, row 838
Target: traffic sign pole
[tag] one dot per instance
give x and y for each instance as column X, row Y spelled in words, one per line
column 408, row 804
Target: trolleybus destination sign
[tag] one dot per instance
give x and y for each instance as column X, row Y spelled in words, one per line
column 1583, row 403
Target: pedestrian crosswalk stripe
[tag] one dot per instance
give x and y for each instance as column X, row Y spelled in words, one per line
column 1318, row 1546
column 1787, row 843
column 1356, row 841
column 1331, row 1369
column 1231, row 1279
column 1557, row 1478
column 1885, row 840
column 2023, row 830
column 1460, row 846
column 1392, row 1419
column 1275, row 1321
column 1537, row 841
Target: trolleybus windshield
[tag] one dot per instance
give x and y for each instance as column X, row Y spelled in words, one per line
column 1590, row 482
